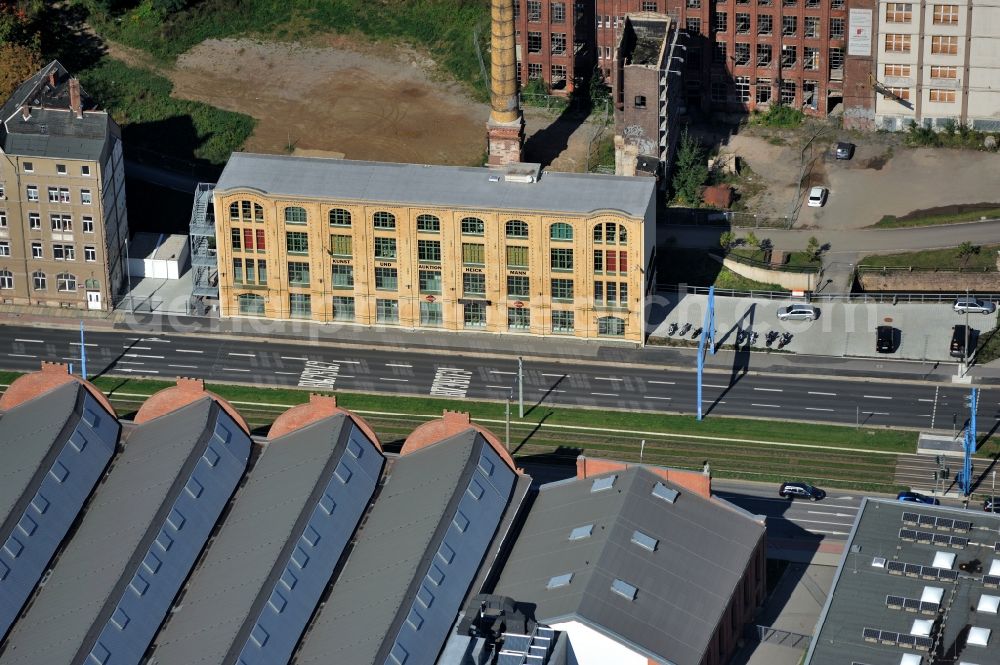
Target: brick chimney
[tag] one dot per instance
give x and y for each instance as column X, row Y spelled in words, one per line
column 75, row 102
column 25, row 112
column 53, row 77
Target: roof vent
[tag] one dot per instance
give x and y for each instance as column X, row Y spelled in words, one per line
column 988, row 604
column 878, row 562
column 522, row 172
column 559, row 581
column 644, row 541
column 581, row 532
column 979, row 636
column 624, row 589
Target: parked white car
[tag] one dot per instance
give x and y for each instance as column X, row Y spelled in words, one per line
column 817, row 197
column 798, row 313
column 974, row 306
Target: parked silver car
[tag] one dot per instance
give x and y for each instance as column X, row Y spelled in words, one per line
column 798, row 313
column 974, row 306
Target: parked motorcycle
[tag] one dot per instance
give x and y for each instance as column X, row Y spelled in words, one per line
column 696, row 333
column 754, row 336
column 785, row 339
column 672, row 330
column 770, row 338
column 685, row 329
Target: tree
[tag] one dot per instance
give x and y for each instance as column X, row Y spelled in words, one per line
column 691, row 171
column 751, row 240
column 813, row 249
column 20, row 61
column 726, row 240
column 966, row 250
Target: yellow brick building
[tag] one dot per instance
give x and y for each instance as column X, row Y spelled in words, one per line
column 437, row 247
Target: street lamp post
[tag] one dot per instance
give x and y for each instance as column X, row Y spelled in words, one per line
column 520, row 387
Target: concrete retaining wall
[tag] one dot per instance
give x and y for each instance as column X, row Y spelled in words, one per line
column 940, row 281
column 793, row 281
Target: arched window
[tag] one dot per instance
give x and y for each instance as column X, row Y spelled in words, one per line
column 561, row 231
column 428, row 224
column 258, row 212
column 65, row 282
column 240, row 210
column 622, row 235
column 251, row 304
column 295, row 215
column 598, row 233
column 39, row 280
column 473, row 226
column 611, row 326
column 234, row 210
column 517, row 229
column 610, row 233
column 384, row 220
column 6, row 279
column 340, row 217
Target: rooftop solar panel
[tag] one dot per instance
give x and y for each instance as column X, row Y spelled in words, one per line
column 926, row 520
column 945, row 523
column 961, row 525
column 950, row 575
column 907, row 534
column 991, row 580
column 896, row 567
column 910, row 518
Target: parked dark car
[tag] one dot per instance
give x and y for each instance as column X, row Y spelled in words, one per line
column 845, row 150
column 886, row 339
column 917, row 497
column 801, row 491
column 958, row 339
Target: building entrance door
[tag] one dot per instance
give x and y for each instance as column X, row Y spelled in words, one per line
column 93, row 300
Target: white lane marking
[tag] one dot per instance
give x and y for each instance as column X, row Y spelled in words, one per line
column 770, row 390
column 451, row 382
column 800, row 519
column 78, row 344
column 934, row 409
column 558, row 376
column 319, row 374
column 386, row 378
column 874, row 413
column 829, row 533
column 29, row 341
column 745, row 497
column 148, row 339
column 184, row 366
column 293, row 358
column 877, row 397
column 71, row 358
column 827, row 512
column 923, row 399
column 189, row 351
column 397, row 365
column 128, row 362
column 812, row 408
column 606, row 394
column 812, row 392
column 288, row 373
column 139, row 355
column 655, row 397
column 550, row 390
column 244, row 355
column 347, row 362
column 499, row 387
column 607, row 378
column 712, row 385
column 664, row 383
column 496, row 371
column 770, row 406
column 21, row 355
column 233, row 369
column 713, row 401
column 140, row 371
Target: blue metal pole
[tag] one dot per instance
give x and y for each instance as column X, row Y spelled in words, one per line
column 83, row 354
column 970, row 443
column 708, row 324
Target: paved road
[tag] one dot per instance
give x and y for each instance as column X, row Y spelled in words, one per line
column 449, row 374
column 830, row 518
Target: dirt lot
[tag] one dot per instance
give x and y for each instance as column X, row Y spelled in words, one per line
column 884, row 178
column 341, row 96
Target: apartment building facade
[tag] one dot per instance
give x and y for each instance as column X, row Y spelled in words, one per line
column 63, row 223
column 554, row 43
column 937, row 64
column 435, row 247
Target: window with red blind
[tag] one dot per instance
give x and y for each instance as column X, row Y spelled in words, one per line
column 623, row 262
column 248, row 239
column 260, row 240
column 611, row 261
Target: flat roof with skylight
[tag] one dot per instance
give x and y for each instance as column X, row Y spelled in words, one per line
column 917, row 586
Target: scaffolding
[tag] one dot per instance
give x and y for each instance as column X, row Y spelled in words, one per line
column 204, row 260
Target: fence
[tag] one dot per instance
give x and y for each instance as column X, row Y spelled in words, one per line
column 770, row 266
column 724, row 218
column 884, row 270
column 891, row 297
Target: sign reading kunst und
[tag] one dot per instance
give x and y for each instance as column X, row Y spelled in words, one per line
column 859, row 41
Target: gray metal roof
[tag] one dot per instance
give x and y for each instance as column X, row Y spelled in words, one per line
column 94, row 578
column 288, row 484
column 427, row 524
column 51, row 129
column 65, row 457
column 425, row 185
column 860, row 596
column 681, row 588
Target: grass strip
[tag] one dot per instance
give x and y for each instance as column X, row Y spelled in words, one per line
column 964, row 214
column 937, row 259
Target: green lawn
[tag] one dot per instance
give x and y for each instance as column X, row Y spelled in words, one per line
column 954, row 215
column 940, row 259
column 697, row 268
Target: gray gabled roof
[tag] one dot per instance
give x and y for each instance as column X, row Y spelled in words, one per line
column 227, row 592
column 426, row 185
column 891, row 552
column 51, row 130
column 682, row 587
column 91, row 567
column 380, row 603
